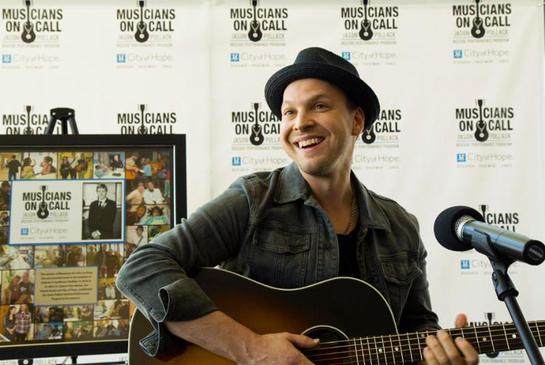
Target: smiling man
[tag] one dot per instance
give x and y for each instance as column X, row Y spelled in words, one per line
column 294, row 226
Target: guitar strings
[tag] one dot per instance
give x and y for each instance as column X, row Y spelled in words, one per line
column 354, row 347
column 540, row 326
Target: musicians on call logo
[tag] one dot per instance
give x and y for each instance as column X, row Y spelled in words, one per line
column 507, row 220
column 480, row 19
column 142, row 22
column 385, row 130
column 257, row 23
column 28, row 121
column 44, row 202
column 255, row 126
column 145, row 121
column 485, row 123
column 368, row 22
column 32, row 23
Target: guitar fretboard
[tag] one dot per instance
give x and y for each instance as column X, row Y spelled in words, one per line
column 408, row 347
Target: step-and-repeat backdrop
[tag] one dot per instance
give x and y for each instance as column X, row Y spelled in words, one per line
column 460, row 83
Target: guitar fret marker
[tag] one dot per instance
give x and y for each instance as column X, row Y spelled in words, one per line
column 514, row 335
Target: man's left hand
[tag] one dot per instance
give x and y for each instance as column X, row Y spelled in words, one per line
column 443, row 350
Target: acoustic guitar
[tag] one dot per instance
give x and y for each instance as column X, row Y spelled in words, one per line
column 351, row 318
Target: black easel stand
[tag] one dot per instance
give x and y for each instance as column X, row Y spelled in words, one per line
column 64, row 115
column 506, row 292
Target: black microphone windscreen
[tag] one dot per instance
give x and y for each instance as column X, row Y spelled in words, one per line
column 445, row 227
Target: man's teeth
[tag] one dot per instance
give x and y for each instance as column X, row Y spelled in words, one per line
column 309, row 142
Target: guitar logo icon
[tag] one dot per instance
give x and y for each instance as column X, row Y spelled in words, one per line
column 43, row 212
column 481, row 133
column 477, row 30
column 141, row 34
column 483, row 207
column 255, row 33
column 142, row 129
column 366, row 31
column 368, row 136
column 28, row 35
column 28, row 129
column 256, row 137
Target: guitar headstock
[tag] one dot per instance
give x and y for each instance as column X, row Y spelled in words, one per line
column 28, row 108
column 27, row 3
column 142, row 107
column 256, row 106
column 365, row 2
column 141, row 3
column 480, row 102
column 254, row 3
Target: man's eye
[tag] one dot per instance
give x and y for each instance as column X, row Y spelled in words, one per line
column 287, row 112
column 319, row 106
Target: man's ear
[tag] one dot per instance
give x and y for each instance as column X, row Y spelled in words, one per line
column 359, row 121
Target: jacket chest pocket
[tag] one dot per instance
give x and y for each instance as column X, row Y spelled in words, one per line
column 280, row 258
column 400, row 270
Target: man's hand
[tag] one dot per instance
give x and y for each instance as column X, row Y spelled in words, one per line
column 278, row 348
column 442, row 350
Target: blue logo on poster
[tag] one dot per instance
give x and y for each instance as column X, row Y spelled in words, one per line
column 236, row 161
column 235, row 57
column 24, row 231
column 461, row 157
column 346, row 55
column 6, row 58
column 465, row 264
column 121, row 58
column 458, row 53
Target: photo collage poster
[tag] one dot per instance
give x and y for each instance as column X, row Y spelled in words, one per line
column 69, row 218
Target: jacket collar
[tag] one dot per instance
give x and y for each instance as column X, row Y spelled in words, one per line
column 292, row 186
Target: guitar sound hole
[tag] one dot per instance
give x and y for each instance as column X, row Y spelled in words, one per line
column 325, row 333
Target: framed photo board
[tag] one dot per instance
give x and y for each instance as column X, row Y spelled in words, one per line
column 72, row 209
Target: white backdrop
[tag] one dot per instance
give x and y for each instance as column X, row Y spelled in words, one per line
column 201, row 75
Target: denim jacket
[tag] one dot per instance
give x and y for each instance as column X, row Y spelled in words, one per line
column 268, row 226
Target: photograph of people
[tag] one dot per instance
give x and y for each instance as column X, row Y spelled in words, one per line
column 157, row 215
column 132, row 165
column 109, row 164
column 137, row 235
column 102, row 215
column 16, row 257
column 17, row 286
column 8, row 323
column 67, row 166
column 152, row 194
column 39, row 165
column 135, row 196
column 84, row 165
column 23, row 324
column 13, row 165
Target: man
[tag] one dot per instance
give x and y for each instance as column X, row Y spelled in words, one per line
column 26, row 289
column 13, row 166
column 102, row 215
column 294, row 226
column 152, row 195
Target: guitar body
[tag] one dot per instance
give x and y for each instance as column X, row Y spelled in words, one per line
column 366, row 32
column 334, row 309
column 256, row 137
column 255, row 33
column 43, row 212
column 477, row 30
column 142, row 34
column 481, row 133
column 368, row 136
column 28, row 35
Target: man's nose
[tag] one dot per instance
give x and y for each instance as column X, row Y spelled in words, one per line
column 303, row 121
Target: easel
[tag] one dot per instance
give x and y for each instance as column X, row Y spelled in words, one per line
column 64, row 115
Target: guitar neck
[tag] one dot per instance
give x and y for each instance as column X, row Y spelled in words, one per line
column 408, row 347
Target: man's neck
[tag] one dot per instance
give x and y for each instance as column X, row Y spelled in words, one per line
column 331, row 191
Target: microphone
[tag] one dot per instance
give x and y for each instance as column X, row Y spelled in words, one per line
column 462, row 228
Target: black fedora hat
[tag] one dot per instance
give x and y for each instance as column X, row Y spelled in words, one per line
column 319, row 63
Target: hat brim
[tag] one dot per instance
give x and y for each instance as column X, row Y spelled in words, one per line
column 355, row 88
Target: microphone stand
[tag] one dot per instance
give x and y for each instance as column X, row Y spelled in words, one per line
column 507, row 293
